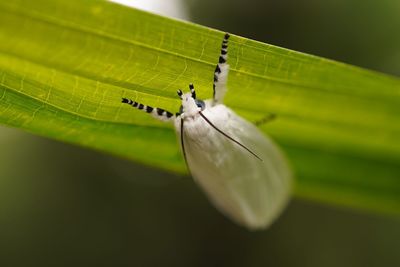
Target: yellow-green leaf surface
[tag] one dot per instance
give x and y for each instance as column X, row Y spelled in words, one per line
column 64, row 66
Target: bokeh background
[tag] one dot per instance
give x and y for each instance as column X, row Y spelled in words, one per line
column 62, row 205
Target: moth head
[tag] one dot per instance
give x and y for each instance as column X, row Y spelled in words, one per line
column 190, row 105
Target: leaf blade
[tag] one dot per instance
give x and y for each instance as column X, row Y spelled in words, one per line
column 65, row 66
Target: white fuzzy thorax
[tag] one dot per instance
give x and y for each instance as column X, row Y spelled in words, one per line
column 190, row 108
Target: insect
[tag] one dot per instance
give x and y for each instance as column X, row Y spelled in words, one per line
column 243, row 173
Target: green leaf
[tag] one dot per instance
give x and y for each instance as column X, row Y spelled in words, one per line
column 66, row 64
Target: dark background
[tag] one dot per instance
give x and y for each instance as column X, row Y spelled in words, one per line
column 360, row 32
column 62, row 205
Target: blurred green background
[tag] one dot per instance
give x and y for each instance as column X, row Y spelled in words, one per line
column 90, row 209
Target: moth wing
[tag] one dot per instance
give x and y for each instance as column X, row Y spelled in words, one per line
column 250, row 191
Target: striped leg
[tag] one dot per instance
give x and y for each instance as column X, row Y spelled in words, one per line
column 191, row 87
column 157, row 113
column 221, row 73
column 266, row 119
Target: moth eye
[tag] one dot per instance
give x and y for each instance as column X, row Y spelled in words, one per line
column 200, row 104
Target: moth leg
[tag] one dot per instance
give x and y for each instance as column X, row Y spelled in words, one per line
column 157, row 113
column 221, row 73
column 183, row 144
column 266, row 119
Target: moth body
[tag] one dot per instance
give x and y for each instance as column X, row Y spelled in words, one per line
column 243, row 173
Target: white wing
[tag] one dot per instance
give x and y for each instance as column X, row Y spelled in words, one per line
column 249, row 191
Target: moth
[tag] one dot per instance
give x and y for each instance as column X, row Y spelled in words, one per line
column 243, row 173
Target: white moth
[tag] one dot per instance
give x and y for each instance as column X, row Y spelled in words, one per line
column 243, row 173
